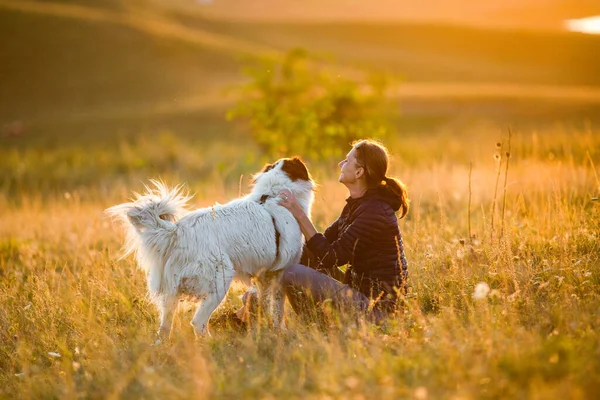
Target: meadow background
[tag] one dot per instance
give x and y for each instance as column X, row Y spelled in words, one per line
column 98, row 97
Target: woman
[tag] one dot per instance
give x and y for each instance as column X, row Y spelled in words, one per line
column 366, row 238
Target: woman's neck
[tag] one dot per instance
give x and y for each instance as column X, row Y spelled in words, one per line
column 357, row 190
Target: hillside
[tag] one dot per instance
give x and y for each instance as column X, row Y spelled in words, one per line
column 68, row 69
column 422, row 52
column 58, row 64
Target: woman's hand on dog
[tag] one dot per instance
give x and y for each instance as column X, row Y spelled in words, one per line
column 289, row 201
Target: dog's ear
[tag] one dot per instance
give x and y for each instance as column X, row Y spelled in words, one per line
column 266, row 168
column 296, row 169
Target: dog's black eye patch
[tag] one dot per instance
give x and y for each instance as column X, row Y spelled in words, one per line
column 295, row 169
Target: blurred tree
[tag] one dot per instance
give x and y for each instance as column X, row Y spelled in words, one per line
column 298, row 105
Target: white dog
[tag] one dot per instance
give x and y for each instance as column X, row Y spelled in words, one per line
column 196, row 254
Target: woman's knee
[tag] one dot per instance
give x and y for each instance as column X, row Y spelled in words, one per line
column 291, row 275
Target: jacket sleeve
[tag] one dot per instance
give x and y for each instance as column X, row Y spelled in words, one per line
column 331, row 232
column 355, row 238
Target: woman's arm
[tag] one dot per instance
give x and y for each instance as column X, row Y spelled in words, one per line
column 306, row 225
column 368, row 221
column 331, row 232
column 288, row 200
column 354, row 239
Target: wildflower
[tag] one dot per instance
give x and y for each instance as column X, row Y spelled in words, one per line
column 481, row 290
column 352, row 382
column 421, row 393
column 53, row 354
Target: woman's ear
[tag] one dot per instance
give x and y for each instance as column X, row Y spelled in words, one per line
column 360, row 171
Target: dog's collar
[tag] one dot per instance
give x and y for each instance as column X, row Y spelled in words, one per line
column 262, row 200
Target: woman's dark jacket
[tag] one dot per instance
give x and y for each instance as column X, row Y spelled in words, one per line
column 367, row 238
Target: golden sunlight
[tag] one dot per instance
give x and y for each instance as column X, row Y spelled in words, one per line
column 589, row 25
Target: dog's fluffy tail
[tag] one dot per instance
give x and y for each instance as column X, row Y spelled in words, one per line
column 150, row 222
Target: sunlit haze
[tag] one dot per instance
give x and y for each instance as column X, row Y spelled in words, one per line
column 546, row 14
column 589, row 25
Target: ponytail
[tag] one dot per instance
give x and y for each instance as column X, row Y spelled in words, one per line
column 398, row 189
column 373, row 157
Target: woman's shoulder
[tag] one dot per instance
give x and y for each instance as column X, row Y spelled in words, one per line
column 375, row 206
column 383, row 199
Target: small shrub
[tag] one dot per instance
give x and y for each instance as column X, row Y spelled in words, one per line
column 299, row 105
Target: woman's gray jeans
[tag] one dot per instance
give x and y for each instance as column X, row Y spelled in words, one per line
column 307, row 288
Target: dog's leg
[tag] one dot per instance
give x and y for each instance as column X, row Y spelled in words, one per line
column 212, row 300
column 166, row 307
column 278, row 306
column 272, row 298
column 248, row 308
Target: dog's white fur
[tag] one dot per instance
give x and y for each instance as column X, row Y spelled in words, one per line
column 197, row 253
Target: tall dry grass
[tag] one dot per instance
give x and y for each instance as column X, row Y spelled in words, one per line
column 75, row 321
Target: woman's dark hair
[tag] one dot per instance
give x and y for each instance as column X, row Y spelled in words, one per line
column 374, row 158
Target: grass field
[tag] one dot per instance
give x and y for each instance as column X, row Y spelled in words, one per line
column 535, row 335
column 97, row 98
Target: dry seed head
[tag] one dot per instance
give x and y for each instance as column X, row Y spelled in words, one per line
column 498, row 145
column 482, row 289
column 507, row 154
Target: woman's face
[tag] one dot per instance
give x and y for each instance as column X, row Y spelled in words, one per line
column 351, row 170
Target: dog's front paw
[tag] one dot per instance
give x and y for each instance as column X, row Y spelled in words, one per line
column 201, row 331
